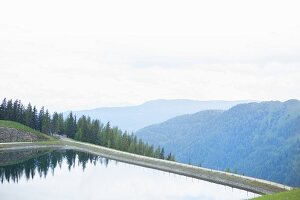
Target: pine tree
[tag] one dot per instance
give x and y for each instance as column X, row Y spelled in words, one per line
column 3, row 111
column 18, row 111
column 54, row 123
column 70, row 125
column 162, row 154
column 46, row 122
column 40, row 119
column 28, row 115
column 34, row 120
column 95, row 129
column 9, row 110
column 157, row 152
column 61, row 124
column 172, row 158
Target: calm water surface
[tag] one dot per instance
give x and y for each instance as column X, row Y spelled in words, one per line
column 67, row 174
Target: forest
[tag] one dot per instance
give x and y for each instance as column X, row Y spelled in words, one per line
column 83, row 129
column 255, row 139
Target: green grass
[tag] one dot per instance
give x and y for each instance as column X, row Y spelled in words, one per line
column 289, row 195
column 21, row 127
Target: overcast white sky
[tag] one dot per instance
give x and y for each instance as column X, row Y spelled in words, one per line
column 71, row 54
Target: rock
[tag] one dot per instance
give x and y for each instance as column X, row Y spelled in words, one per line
column 14, row 135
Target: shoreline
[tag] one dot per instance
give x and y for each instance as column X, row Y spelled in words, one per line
column 250, row 184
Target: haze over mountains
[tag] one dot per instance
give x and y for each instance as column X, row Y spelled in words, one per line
column 256, row 139
column 132, row 118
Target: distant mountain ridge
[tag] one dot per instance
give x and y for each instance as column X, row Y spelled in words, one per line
column 132, row 118
column 257, row 139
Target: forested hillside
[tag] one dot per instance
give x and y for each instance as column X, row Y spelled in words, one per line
column 255, row 139
column 82, row 129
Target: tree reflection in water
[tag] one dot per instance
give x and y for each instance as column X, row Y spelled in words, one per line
column 46, row 161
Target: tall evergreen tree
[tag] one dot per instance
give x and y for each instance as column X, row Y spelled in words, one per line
column 170, row 157
column 9, row 110
column 17, row 111
column 28, row 116
column 41, row 119
column 162, row 153
column 70, row 125
column 54, row 123
column 34, row 120
column 61, row 124
column 46, row 123
column 157, row 152
column 3, row 109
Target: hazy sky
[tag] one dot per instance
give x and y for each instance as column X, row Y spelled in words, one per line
column 70, row 54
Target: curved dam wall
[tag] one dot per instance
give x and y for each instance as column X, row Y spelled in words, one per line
column 233, row 180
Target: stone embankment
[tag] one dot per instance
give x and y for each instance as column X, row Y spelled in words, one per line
column 14, row 135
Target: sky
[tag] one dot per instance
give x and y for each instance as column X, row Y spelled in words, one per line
column 75, row 54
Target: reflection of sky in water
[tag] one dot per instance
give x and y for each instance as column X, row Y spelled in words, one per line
column 116, row 181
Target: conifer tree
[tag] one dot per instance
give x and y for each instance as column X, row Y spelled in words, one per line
column 28, row 115
column 9, row 110
column 34, row 120
column 54, row 123
column 46, row 127
column 70, row 125
column 61, row 124
column 3, row 109
column 40, row 119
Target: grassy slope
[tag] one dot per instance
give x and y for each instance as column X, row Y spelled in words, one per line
column 21, row 127
column 289, row 195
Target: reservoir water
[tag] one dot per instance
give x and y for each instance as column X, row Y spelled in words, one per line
column 67, row 174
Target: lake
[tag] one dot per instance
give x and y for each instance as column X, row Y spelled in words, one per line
column 67, row 174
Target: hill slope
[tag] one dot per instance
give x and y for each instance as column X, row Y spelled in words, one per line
column 15, row 132
column 257, row 139
column 288, row 195
column 132, row 118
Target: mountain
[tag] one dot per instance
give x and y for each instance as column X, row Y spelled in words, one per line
column 256, row 139
column 132, row 118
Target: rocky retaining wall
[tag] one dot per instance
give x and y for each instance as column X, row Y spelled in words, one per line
column 14, row 135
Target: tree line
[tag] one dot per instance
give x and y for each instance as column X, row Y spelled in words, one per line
column 83, row 129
